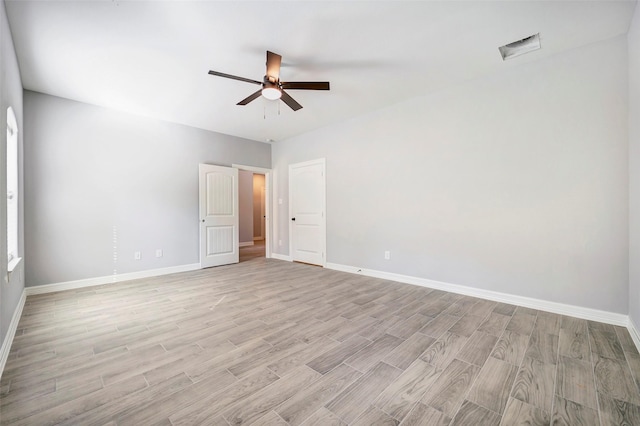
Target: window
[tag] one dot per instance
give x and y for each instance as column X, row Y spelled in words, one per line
column 12, row 190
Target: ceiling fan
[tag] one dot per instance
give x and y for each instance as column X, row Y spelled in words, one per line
column 272, row 87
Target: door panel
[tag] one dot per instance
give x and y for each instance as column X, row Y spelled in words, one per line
column 219, row 218
column 307, row 207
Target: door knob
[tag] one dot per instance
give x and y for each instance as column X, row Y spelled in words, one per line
column 293, row 218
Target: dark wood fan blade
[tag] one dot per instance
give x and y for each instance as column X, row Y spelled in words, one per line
column 290, row 101
column 250, row 98
column 273, row 66
column 305, row 85
column 234, row 77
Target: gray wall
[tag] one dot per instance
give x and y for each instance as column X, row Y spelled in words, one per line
column 516, row 182
column 634, row 168
column 90, row 172
column 10, row 95
column 245, row 205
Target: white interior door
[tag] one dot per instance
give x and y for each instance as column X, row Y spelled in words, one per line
column 307, row 212
column 219, row 218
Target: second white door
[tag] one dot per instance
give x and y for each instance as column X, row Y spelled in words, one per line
column 218, row 215
column 307, row 212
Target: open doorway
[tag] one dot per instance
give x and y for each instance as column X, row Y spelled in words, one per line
column 253, row 208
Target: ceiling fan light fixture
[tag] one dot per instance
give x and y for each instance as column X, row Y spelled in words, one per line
column 271, row 93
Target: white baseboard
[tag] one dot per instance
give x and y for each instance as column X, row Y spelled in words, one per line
column 11, row 332
column 245, row 244
column 281, row 257
column 89, row 282
column 633, row 331
column 527, row 302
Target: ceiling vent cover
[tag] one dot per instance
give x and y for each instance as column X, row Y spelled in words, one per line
column 520, row 47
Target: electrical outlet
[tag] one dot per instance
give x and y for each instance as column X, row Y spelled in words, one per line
column 137, row 255
column 280, row 243
column 387, row 255
column 158, row 252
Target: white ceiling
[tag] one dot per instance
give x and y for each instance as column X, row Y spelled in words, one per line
column 151, row 57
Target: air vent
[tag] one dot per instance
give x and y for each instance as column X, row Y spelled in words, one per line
column 520, row 47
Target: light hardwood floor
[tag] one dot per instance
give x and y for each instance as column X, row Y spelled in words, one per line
column 268, row 342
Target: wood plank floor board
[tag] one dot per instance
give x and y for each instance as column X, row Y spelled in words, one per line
column 482, row 308
column 270, row 419
column 569, row 413
column 439, row 325
column 307, row 401
column 493, row 385
column 494, row 324
column 401, row 394
column 478, row 347
column 616, row 412
column 625, row 340
column 511, row 347
column 548, row 323
column 605, row 343
column 614, row 379
column 435, row 308
column 14, row 412
column 424, row 415
column 505, row 309
column 574, row 344
column 353, row 327
column 77, row 406
column 294, row 360
column 227, row 394
column 352, row 401
column 203, row 370
column 543, row 347
column 634, row 364
column 534, row 383
column 259, row 360
column 379, row 329
column 255, row 406
column 323, row 417
column 408, row 351
column 150, row 363
column 449, row 390
column 370, row 355
column 472, row 414
column 26, row 393
column 373, row 416
column 169, row 369
column 411, row 325
column 466, row 326
column 461, row 307
column 334, row 357
column 521, row 322
column 320, row 329
column 251, row 340
column 121, row 407
column 521, row 413
column 444, row 350
column 574, row 381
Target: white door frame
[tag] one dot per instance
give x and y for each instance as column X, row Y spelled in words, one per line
column 323, row 236
column 267, row 199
